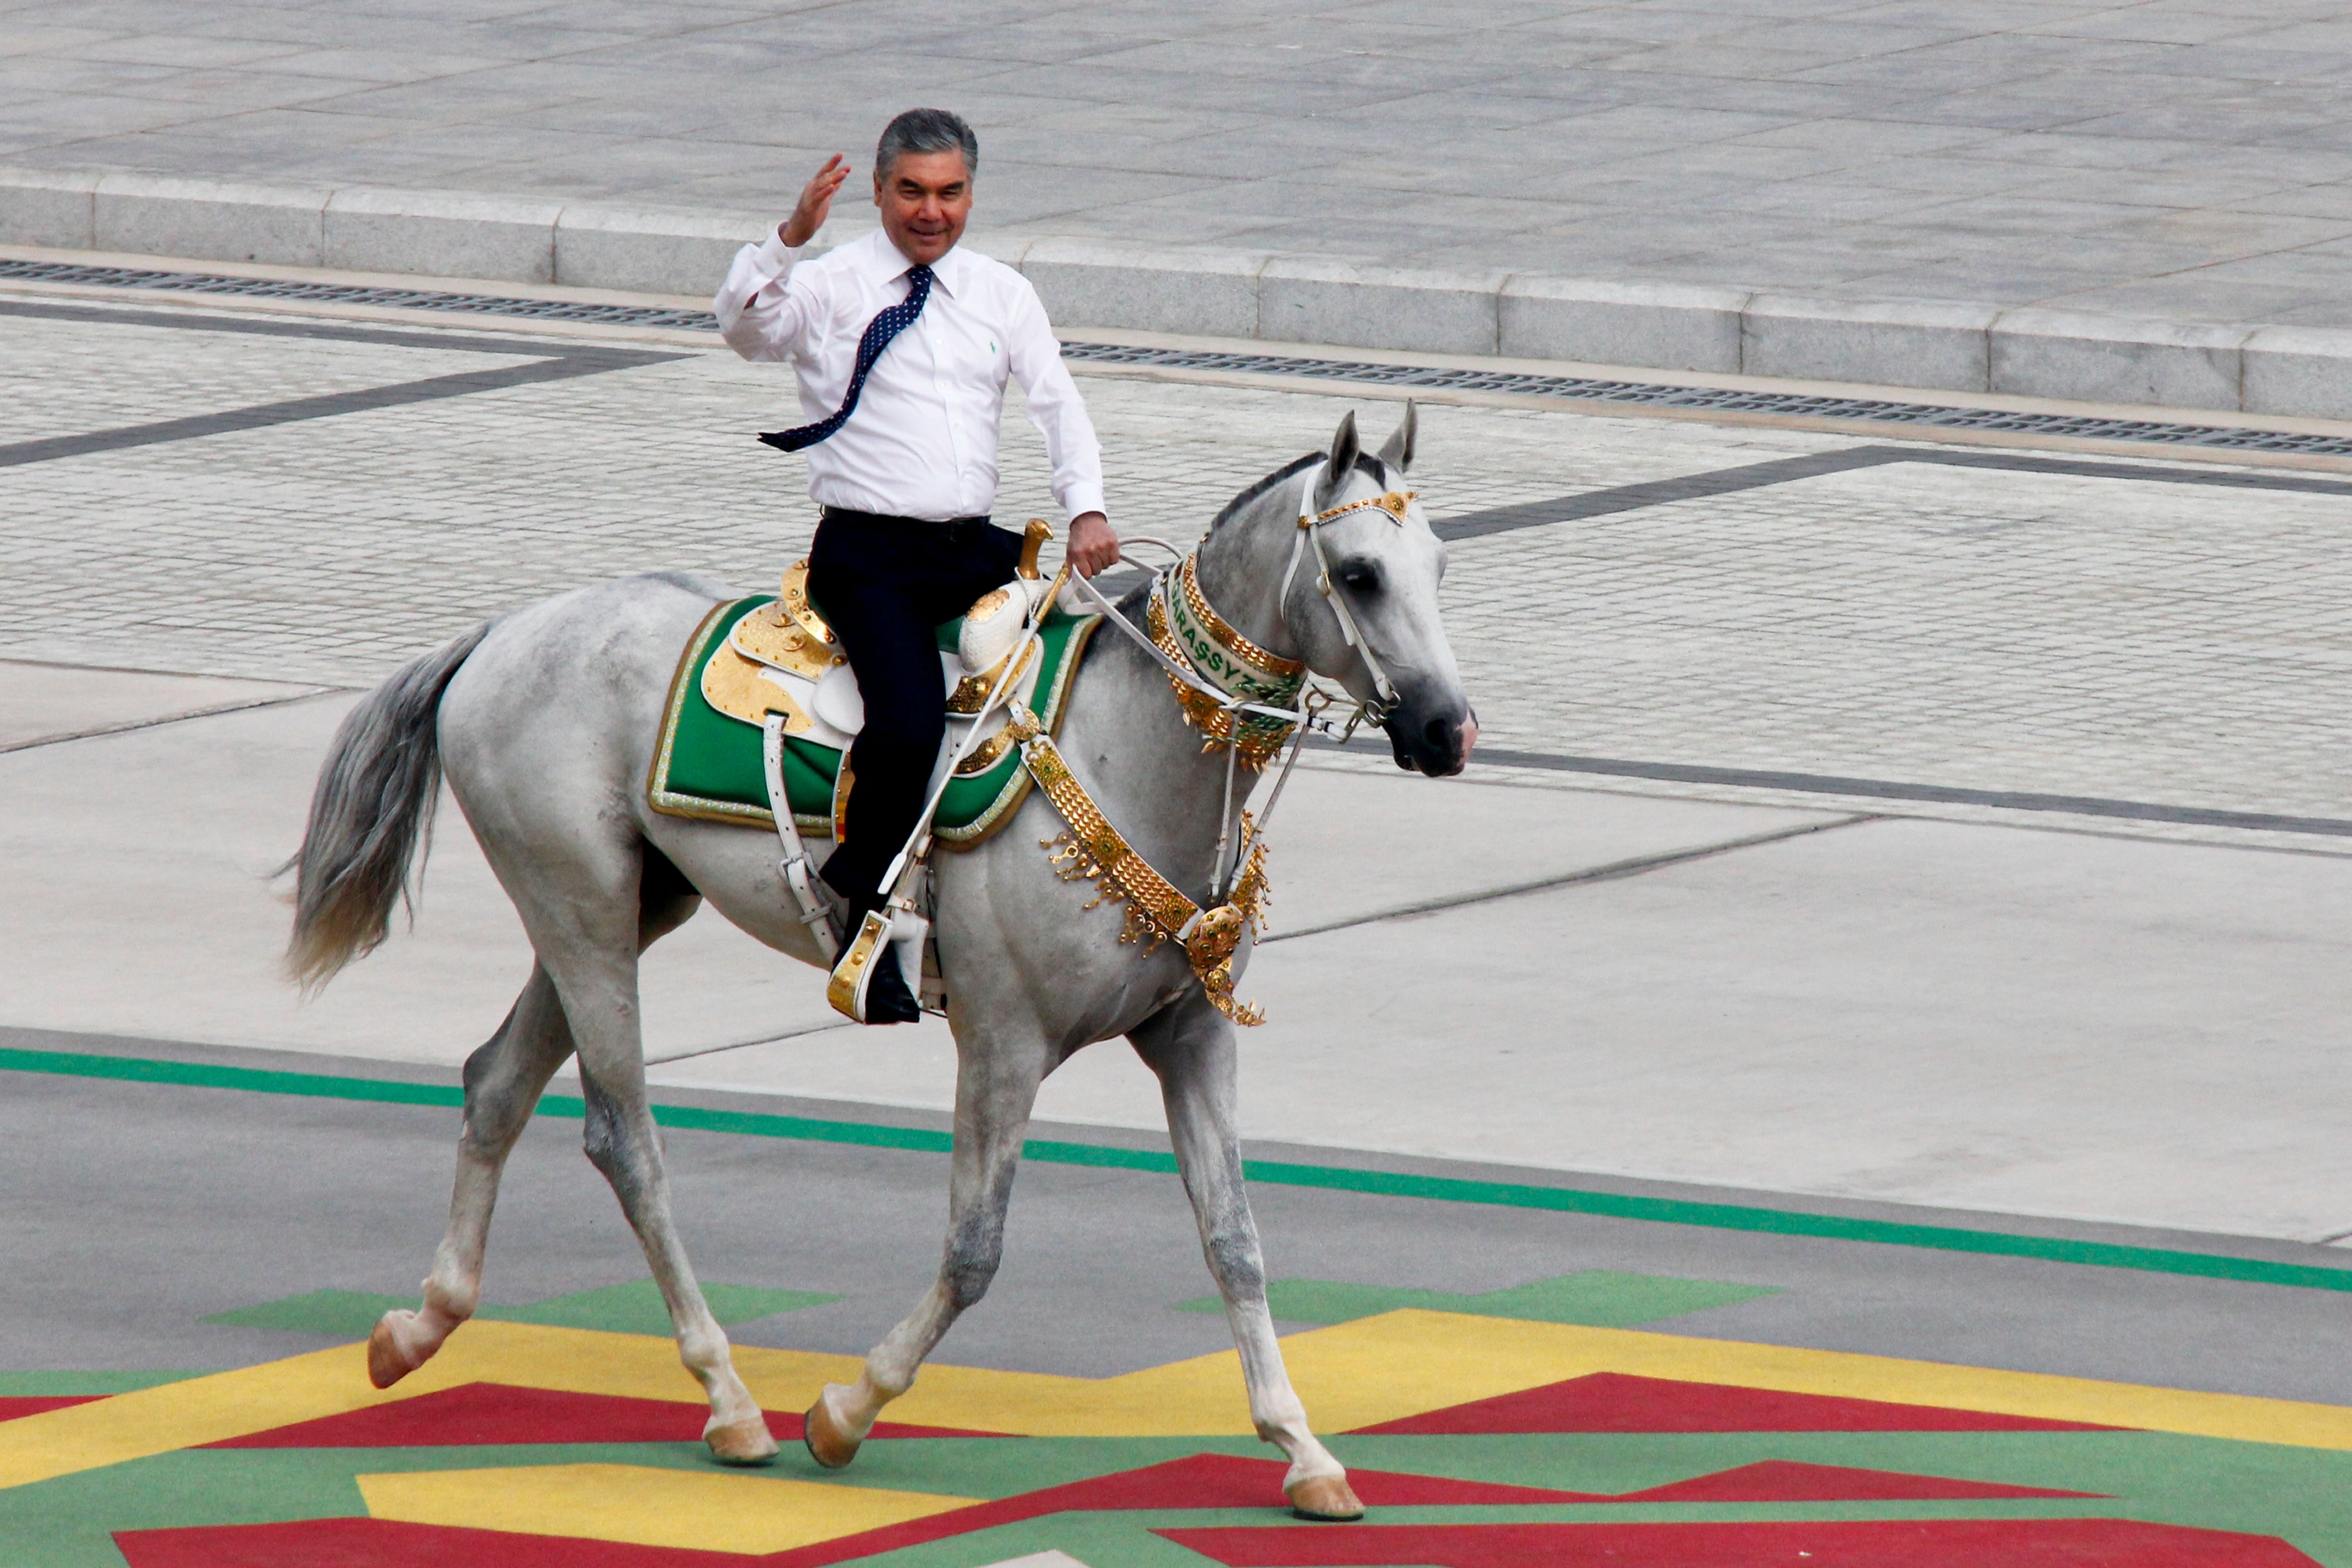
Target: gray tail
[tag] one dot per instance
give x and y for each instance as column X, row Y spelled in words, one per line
column 373, row 806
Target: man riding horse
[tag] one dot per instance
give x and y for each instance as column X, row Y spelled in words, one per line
column 902, row 342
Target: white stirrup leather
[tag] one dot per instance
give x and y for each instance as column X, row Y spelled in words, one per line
column 800, row 876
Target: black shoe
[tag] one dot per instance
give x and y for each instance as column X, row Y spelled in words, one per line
column 887, row 1000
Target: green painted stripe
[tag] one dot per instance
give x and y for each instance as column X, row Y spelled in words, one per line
column 1786, row 1222
column 199, row 1075
column 1274, row 1173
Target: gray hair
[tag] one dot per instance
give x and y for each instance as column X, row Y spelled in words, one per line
column 927, row 131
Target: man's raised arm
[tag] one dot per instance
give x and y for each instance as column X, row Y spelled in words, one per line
column 758, row 320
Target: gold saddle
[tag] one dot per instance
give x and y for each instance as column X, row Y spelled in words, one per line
column 783, row 659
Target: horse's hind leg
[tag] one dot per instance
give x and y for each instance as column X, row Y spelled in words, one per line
column 503, row 1081
column 1190, row 1047
column 995, row 1090
column 593, row 958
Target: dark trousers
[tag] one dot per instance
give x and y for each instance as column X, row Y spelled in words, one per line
column 884, row 583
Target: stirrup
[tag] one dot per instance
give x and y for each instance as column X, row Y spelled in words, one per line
column 855, row 974
column 894, row 926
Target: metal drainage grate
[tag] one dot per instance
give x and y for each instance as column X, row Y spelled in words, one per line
column 355, row 294
column 1583, row 389
column 1876, row 410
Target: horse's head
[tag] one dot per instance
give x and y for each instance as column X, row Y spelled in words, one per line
column 1372, row 625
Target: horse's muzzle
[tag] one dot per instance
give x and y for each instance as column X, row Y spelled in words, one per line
column 1435, row 736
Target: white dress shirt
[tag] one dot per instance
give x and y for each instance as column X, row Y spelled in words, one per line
column 922, row 442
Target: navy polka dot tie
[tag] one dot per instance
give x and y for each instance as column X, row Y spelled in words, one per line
column 893, row 321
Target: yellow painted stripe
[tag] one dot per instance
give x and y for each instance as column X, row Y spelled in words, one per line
column 2238, row 1416
column 696, row 1510
column 636, row 1366
column 1351, row 1374
column 186, row 1415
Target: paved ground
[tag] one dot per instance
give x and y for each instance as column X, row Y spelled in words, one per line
column 1098, row 1260
column 270, row 1230
column 1758, row 970
column 2176, row 158
column 1934, row 1002
column 2016, row 629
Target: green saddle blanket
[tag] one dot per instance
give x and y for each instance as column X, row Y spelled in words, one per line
column 709, row 766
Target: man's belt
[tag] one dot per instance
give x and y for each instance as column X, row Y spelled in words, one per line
column 872, row 519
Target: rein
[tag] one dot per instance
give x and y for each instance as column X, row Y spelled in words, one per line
column 1239, row 695
column 1229, row 650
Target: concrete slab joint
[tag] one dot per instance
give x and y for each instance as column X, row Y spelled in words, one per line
column 444, row 234
column 1892, row 343
column 214, row 220
column 1206, row 292
column 1320, row 299
column 51, row 209
column 648, row 249
column 1671, row 326
column 2305, row 371
column 2115, row 359
column 1212, row 291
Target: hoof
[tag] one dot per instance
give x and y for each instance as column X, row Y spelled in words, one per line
column 746, row 1441
column 1326, row 1499
column 828, row 1444
column 389, row 1357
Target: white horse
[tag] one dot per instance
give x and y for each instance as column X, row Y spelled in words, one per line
column 545, row 722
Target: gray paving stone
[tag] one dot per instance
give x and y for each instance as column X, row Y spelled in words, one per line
column 1742, row 143
column 1984, row 630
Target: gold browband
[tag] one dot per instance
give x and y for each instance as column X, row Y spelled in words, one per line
column 1394, row 503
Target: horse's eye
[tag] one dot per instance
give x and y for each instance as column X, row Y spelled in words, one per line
column 1361, row 576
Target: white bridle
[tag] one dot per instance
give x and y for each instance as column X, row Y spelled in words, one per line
column 1391, row 504
column 1311, row 699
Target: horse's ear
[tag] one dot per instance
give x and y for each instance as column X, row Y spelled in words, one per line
column 1397, row 450
column 1345, row 450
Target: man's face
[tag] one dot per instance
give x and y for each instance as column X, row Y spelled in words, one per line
column 925, row 199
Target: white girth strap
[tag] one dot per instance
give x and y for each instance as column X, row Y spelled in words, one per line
column 800, row 878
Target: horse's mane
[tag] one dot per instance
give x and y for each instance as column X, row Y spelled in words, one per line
column 1365, row 464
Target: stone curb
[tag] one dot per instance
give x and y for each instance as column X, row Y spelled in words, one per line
column 1209, row 292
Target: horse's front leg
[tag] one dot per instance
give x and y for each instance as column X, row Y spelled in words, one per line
column 996, row 1087
column 1190, row 1047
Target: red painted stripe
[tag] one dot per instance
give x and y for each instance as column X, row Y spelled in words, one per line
column 499, row 1414
column 1201, row 1481
column 1874, row 1544
column 1788, row 1480
column 16, row 1405
column 385, row 1544
column 1618, row 1402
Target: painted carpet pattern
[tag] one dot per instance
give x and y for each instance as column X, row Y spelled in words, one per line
column 1479, row 1441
